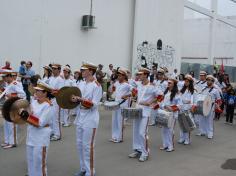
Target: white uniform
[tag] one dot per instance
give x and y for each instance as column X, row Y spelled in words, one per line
column 56, row 83
column 46, row 80
column 121, row 89
column 206, row 125
column 87, row 121
column 199, row 86
column 146, row 93
column 180, row 85
column 187, row 99
column 64, row 113
column 10, row 129
column 168, row 133
column 38, row 139
column 161, row 84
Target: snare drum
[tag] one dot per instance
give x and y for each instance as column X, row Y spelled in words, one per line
column 186, row 121
column 111, row 105
column 204, row 105
column 165, row 118
column 132, row 113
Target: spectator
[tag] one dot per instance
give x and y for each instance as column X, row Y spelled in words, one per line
column 26, row 78
column 154, row 73
column 100, row 74
column 22, row 68
column 230, row 105
column 7, row 66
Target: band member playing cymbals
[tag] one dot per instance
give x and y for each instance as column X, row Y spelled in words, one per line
column 39, row 118
column 87, row 119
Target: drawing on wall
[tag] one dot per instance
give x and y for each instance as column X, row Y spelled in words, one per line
column 149, row 54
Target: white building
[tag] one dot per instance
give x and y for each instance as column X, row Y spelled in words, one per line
column 46, row 31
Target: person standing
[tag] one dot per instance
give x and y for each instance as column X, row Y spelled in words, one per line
column 56, row 82
column 87, row 119
column 26, row 78
column 146, row 95
column 122, row 93
column 38, row 130
column 7, row 66
column 13, row 89
column 230, row 100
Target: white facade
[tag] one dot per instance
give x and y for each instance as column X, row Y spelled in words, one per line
column 47, row 31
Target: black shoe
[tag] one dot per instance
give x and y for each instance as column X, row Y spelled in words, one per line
column 80, row 173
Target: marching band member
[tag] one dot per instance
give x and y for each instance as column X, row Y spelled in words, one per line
column 161, row 83
column 123, row 90
column 56, row 82
column 47, row 74
column 147, row 94
column 206, row 123
column 13, row 89
column 87, row 119
column 187, row 95
column 38, row 130
column 199, row 85
column 170, row 103
column 67, row 82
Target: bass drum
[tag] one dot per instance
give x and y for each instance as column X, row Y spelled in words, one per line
column 204, row 105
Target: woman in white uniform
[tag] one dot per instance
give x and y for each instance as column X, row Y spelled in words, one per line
column 171, row 103
column 38, row 130
column 187, row 95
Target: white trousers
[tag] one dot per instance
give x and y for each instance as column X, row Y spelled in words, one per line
column 56, row 124
column 184, row 136
column 206, row 124
column 167, row 135
column 117, row 125
column 64, row 115
column 10, row 133
column 140, row 135
column 85, row 138
column 37, row 160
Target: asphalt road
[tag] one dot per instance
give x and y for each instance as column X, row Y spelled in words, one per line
column 203, row 157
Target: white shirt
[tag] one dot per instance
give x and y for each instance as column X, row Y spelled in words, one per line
column 40, row 136
column 46, row 79
column 56, row 82
column 146, row 94
column 89, row 118
column 15, row 87
column 161, row 84
column 121, row 90
column 188, row 100
column 68, row 83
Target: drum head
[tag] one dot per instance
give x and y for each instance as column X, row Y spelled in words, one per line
column 207, row 104
column 111, row 103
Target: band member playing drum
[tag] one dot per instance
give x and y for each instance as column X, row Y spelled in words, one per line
column 170, row 103
column 199, row 85
column 122, row 93
column 12, row 89
column 147, row 94
column 187, row 95
column 38, row 131
column 87, row 119
column 206, row 123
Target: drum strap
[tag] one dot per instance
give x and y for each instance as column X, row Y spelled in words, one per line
column 122, row 102
column 162, row 81
column 203, row 82
column 198, row 82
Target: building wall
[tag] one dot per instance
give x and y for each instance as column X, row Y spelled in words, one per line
column 159, row 19
column 46, row 31
column 196, row 37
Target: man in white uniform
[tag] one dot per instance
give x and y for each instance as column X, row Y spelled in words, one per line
column 68, row 82
column 87, row 119
column 122, row 94
column 147, row 94
column 13, row 89
column 56, row 82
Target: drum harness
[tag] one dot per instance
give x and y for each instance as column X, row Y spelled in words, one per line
column 209, row 92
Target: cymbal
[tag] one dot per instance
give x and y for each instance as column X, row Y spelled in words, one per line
column 63, row 97
column 6, row 107
column 14, row 112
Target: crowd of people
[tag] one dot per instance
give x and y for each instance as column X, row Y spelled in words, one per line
column 154, row 91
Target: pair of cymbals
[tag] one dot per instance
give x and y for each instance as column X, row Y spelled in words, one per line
column 64, row 95
column 11, row 108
